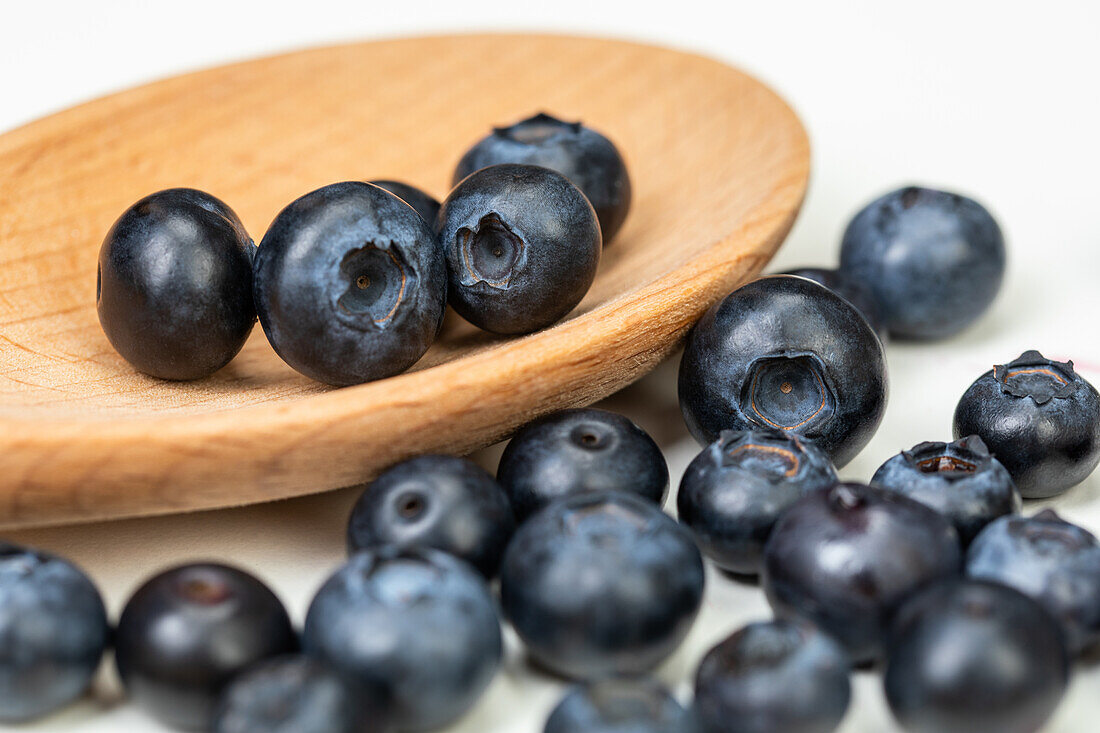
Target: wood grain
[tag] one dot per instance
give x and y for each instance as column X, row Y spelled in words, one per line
column 719, row 165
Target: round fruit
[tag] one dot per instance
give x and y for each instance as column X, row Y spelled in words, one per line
column 522, row 245
column 419, row 625
column 974, row 657
column 785, row 353
column 601, row 583
column 350, row 284
column 174, row 284
column 574, row 451
column 845, row 557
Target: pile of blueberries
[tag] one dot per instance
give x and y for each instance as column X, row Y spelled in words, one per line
column 973, row 612
column 351, row 281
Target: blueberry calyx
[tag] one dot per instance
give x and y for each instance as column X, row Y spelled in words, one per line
column 378, row 280
column 763, row 650
column 594, row 508
column 1032, row 375
column 411, row 505
column 1048, row 531
column 952, row 461
column 591, row 436
column 537, row 129
column 788, row 391
column 203, row 589
column 492, row 253
column 761, row 452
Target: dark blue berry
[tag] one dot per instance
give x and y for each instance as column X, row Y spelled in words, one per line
column 601, row 583
column 854, row 291
column 738, row 486
column 785, row 353
column 297, row 694
column 441, row 502
column 1041, row 420
column 618, row 705
column 773, row 677
column 933, row 259
column 974, row 657
column 584, row 156
column 959, row 480
column 522, row 245
column 573, row 451
column 350, row 285
column 1052, row 561
column 53, row 630
column 422, row 203
column 418, row 624
column 845, row 557
column 188, row 631
column 174, row 284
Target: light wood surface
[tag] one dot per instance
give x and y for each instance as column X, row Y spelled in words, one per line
column 719, row 165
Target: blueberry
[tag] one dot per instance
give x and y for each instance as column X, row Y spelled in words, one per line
column 441, row 502
column 1052, row 561
column 974, row 657
column 350, row 284
column 773, row 677
column 1039, row 418
column 854, row 291
column 53, row 630
column 422, row 203
column 419, row 624
column 959, row 480
column 601, row 583
column 845, row 557
column 738, row 486
column 522, row 245
column 934, row 260
column 584, row 156
column 573, row 451
column 188, row 631
column 296, row 694
column 174, row 284
column 617, row 705
column 785, row 353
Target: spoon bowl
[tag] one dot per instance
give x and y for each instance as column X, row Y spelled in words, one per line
column 719, row 165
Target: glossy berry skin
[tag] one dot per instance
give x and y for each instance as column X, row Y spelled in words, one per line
column 522, row 244
column 618, row 706
column 584, row 156
column 785, row 353
column 1040, row 418
column 974, row 657
column 422, row 203
column 1052, row 561
column 53, row 630
column 734, row 491
column 960, row 480
column 773, row 677
column 350, row 285
column 174, row 285
column 418, row 624
column 844, row 558
column 934, row 260
column 574, row 451
column 601, row 583
column 441, row 502
column 854, row 291
column 296, row 694
column 188, row 631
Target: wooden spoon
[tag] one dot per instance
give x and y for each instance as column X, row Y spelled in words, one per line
column 719, row 165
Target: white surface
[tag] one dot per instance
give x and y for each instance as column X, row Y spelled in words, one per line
column 992, row 99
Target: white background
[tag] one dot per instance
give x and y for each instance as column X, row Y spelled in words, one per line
column 997, row 100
